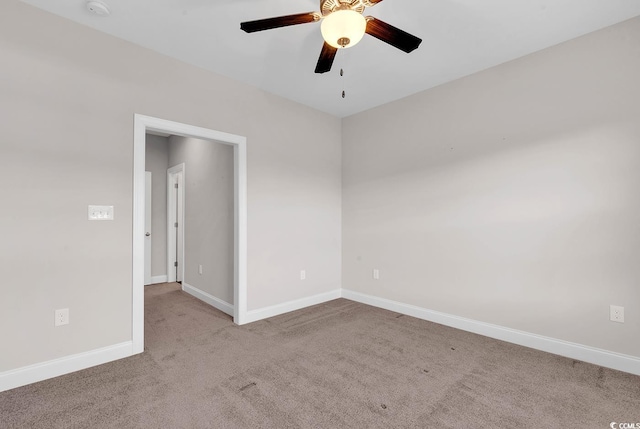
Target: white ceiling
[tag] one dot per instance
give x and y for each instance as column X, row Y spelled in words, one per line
column 460, row 37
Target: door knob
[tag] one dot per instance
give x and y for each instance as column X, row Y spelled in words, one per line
column 148, row 234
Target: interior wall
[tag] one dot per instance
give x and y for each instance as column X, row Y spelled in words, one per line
column 509, row 196
column 157, row 162
column 68, row 96
column 209, row 214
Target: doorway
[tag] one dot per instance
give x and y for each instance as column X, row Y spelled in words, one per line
column 144, row 124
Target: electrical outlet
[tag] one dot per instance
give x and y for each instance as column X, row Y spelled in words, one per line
column 200, row 269
column 616, row 313
column 376, row 274
column 62, row 317
column 303, row 274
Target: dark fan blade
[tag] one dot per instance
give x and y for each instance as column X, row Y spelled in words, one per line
column 372, row 2
column 327, row 55
column 392, row 35
column 281, row 21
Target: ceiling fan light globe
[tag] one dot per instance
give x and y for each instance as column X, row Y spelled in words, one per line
column 343, row 25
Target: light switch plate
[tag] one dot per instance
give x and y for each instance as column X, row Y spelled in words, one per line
column 100, row 212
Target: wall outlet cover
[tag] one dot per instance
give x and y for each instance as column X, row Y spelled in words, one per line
column 616, row 313
column 62, row 317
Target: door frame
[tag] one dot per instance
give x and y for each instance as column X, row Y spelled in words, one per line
column 175, row 247
column 143, row 124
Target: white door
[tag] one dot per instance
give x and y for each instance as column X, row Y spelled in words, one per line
column 180, row 229
column 147, row 228
column 175, row 223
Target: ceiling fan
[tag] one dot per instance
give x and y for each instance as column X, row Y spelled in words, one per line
column 343, row 26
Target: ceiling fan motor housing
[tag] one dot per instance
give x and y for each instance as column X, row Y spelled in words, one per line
column 329, row 6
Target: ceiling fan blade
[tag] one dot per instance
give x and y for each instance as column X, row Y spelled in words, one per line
column 327, row 55
column 394, row 36
column 280, row 21
column 370, row 3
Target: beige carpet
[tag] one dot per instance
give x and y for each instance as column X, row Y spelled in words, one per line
column 335, row 365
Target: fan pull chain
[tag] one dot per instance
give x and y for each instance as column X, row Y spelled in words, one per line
column 344, row 94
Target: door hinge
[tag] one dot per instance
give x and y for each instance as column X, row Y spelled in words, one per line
column 176, row 186
column 175, row 224
column 175, row 264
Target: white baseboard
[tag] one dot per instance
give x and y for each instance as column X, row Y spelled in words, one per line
column 221, row 305
column 158, row 279
column 285, row 307
column 56, row 367
column 580, row 352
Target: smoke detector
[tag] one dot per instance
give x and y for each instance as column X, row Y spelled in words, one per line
column 98, row 8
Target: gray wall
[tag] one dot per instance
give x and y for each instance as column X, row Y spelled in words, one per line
column 510, row 196
column 157, row 162
column 68, row 96
column 208, row 234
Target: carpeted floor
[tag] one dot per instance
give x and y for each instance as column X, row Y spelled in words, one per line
column 336, row 365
